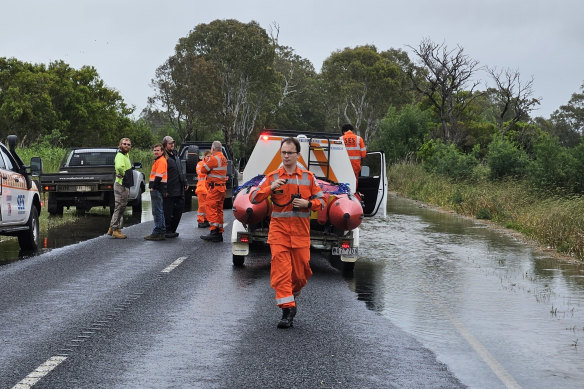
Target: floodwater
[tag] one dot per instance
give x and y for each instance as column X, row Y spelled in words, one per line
column 493, row 308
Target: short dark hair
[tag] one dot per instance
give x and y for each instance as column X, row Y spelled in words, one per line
column 293, row 141
column 346, row 127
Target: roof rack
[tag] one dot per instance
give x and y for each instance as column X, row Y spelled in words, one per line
column 309, row 134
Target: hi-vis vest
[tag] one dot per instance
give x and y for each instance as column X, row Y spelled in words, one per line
column 355, row 148
column 290, row 227
column 159, row 169
column 216, row 168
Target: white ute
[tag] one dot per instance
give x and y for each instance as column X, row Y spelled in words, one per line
column 20, row 204
column 325, row 155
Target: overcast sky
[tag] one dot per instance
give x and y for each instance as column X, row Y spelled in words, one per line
column 126, row 40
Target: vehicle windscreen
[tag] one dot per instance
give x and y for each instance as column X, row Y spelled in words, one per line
column 91, row 158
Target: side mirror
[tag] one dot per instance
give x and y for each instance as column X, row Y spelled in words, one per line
column 36, row 166
column 365, row 171
column 12, row 141
column 137, row 165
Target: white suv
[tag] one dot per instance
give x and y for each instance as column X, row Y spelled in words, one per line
column 20, row 204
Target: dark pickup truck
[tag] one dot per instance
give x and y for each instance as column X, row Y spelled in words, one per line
column 190, row 153
column 86, row 179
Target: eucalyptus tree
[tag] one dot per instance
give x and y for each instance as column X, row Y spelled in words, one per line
column 513, row 97
column 242, row 57
column 360, row 84
column 448, row 83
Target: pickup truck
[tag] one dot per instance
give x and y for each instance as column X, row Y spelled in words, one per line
column 190, row 153
column 20, row 204
column 86, row 179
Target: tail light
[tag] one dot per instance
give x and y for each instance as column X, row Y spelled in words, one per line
column 243, row 238
column 346, row 244
column 105, row 186
column 49, row 188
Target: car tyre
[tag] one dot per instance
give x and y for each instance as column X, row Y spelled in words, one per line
column 238, row 260
column 29, row 240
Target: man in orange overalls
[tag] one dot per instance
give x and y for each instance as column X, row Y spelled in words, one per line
column 294, row 194
column 201, row 192
column 216, row 170
column 355, row 148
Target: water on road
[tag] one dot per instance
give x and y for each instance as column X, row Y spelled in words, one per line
column 485, row 303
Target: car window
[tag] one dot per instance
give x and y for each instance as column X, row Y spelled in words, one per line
column 92, row 158
column 6, row 162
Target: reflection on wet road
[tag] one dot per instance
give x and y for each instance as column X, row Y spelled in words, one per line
column 486, row 303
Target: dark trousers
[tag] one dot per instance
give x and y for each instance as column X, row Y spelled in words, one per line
column 173, row 208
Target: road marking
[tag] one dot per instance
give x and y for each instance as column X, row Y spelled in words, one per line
column 481, row 350
column 173, row 265
column 30, row 380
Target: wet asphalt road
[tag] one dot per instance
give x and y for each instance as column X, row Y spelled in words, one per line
column 130, row 314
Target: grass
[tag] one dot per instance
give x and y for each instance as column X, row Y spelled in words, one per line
column 551, row 220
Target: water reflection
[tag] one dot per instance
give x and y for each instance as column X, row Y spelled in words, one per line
column 63, row 231
column 443, row 277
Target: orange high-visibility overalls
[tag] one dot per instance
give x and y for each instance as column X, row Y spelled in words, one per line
column 356, row 149
column 216, row 170
column 201, row 192
column 289, row 235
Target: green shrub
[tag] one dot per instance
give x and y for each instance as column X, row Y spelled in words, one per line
column 505, row 160
column 446, row 159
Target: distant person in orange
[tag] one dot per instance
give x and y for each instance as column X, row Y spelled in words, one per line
column 294, row 194
column 201, row 191
column 355, row 148
column 216, row 170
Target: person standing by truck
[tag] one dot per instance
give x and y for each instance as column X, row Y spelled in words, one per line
column 157, row 185
column 174, row 202
column 201, row 191
column 294, row 194
column 216, row 169
column 122, row 165
column 355, row 148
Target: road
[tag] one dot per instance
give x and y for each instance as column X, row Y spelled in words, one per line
column 176, row 314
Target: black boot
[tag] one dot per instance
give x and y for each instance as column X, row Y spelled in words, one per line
column 204, row 224
column 214, row 236
column 287, row 319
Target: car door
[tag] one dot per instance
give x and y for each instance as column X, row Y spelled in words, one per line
column 13, row 191
column 373, row 184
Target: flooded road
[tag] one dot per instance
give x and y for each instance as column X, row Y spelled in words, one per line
column 491, row 307
column 485, row 303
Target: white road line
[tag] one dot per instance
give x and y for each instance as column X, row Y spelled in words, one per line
column 30, row 380
column 173, row 265
column 481, row 350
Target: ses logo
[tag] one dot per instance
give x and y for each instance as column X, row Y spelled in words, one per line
column 20, row 202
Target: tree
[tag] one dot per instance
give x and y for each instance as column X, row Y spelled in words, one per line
column 447, row 73
column 360, row 84
column 242, row 57
column 512, row 97
column 567, row 122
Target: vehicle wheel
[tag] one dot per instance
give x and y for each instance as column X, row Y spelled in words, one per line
column 348, row 268
column 53, row 206
column 80, row 211
column 137, row 205
column 29, row 240
column 188, row 202
column 238, row 260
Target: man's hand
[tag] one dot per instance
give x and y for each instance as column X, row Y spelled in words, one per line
column 278, row 183
column 301, row 203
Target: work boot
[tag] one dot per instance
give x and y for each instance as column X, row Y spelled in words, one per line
column 110, row 231
column 170, row 235
column 117, row 234
column 155, row 237
column 287, row 319
column 204, row 224
column 214, row 236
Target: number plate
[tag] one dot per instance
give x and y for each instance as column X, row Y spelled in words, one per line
column 84, row 188
column 350, row 252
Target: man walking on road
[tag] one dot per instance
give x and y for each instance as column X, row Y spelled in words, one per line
column 157, row 185
column 216, row 169
column 174, row 202
column 122, row 165
column 294, row 193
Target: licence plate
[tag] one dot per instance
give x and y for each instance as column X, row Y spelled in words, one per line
column 84, row 188
column 350, row 252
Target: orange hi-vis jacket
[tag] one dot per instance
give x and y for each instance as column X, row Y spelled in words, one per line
column 216, row 170
column 355, row 148
column 201, row 179
column 158, row 175
column 288, row 227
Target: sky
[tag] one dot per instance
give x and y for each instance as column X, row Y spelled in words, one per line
column 126, row 40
